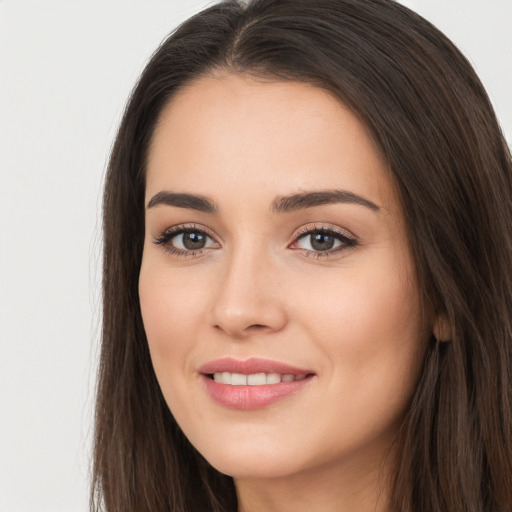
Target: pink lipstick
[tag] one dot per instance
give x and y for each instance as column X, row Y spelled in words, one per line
column 253, row 383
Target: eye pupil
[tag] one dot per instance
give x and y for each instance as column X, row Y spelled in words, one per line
column 194, row 240
column 322, row 242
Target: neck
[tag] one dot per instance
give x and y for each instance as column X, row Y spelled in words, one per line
column 330, row 488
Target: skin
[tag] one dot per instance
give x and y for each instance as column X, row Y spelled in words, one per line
column 353, row 315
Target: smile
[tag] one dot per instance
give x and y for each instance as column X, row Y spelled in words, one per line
column 252, row 384
column 255, row 379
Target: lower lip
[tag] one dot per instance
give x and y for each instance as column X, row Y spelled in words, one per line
column 253, row 397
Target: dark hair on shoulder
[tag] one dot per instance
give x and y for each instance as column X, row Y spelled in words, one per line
column 434, row 125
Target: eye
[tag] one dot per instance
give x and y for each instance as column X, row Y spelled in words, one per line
column 192, row 240
column 186, row 241
column 322, row 241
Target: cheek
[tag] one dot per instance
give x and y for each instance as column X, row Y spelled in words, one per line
column 374, row 300
column 171, row 312
column 368, row 323
column 368, row 327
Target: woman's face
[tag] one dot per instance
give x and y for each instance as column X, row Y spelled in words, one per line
column 276, row 261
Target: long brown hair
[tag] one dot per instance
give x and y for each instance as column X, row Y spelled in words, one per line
column 432, row 120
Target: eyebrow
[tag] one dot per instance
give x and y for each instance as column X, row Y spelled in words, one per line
column 182, row 200
column 282, row 204
column 304, row 200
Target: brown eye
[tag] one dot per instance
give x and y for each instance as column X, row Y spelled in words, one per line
column 193, row 240
column 190, row 240
column 186, row 241
column 322, row 241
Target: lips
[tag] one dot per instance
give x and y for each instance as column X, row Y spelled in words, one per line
column 255, row 379
column 253, row 383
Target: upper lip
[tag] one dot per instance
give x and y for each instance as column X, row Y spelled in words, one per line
column 251, row 366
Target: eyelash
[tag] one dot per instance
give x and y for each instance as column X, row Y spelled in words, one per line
column 347, row 241
column 172, row 232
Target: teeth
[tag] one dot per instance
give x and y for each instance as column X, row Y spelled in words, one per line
column 254, row 379
column 238, row 379
column 273, row 378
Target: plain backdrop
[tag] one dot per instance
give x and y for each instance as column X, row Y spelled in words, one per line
column 66, row 69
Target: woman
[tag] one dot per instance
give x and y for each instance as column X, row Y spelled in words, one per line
column 307, row 222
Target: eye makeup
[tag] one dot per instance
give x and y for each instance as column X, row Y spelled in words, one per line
column 186, row 240
column 312, row 240
column 320, row 240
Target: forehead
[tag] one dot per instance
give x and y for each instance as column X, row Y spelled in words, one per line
column 281, row 137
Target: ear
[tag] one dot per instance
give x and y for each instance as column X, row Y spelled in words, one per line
column 442, row 330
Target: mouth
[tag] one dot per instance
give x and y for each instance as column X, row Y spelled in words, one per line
column 254, row 383
column 254, row 379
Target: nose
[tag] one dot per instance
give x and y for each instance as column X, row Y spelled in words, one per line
column 249, row 299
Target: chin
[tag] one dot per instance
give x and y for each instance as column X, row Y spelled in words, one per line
column 252, row 460
column 254, row 467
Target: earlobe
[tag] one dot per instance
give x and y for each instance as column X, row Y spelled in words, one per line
column 442, row 330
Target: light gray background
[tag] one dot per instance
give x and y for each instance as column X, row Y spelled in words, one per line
column 66, row 69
